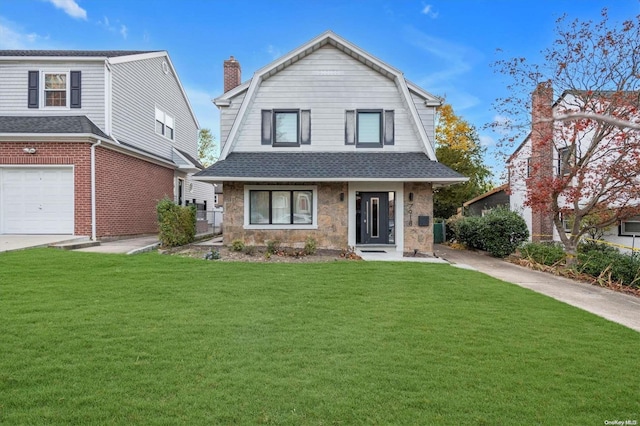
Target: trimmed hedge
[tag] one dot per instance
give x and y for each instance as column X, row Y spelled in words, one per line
column 500, row 232
column 177, row 224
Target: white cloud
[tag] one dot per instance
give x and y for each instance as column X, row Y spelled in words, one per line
column 487, row 140
column 274, row 52
column 12, row 37
column 116, row 27
column 70, row 7
column 428, row 10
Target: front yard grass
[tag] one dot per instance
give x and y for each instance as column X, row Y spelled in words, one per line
column 151, row 339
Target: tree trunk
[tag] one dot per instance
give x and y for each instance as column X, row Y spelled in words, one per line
column 571, row 250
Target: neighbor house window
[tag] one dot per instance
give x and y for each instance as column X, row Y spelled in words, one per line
column 286, row 128
column 564, row 159
column 165, row 124
column 55, row 89
column 630, row 227
column 369, row 128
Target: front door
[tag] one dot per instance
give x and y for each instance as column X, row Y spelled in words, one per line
column 374, row 217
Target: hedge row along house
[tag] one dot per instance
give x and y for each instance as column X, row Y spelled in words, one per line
column 331, row 143
column 91, row 140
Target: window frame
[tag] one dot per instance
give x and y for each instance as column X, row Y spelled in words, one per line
column 274, row 116
column 43, row 90
column 248, row 189
column 163, row 118
column 564, row 157
column 380, row 142
column 622, row 232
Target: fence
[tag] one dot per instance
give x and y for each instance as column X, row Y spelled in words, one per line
column 208, row 221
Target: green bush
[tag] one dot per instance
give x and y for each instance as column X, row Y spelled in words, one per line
column 237, row 245
column 544, row 253
column 500, row 232
column 310, row 246
column 503, row 231
column 273, row 246
column 177, row 224
column 469, row 230
column 622, row 268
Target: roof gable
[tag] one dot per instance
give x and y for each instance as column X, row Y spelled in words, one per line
column 349, row 49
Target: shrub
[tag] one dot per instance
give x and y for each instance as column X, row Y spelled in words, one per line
column 273, row 246
column 237, row 245
column 619, row 267
column 545, row 254
column 503, row 231
column 177, row 224
column 310, row 246
column 468, row 231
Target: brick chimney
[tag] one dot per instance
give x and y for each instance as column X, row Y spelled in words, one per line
column 232, row 74
column 541, row 156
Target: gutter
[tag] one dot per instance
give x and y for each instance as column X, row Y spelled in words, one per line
column 93, row 189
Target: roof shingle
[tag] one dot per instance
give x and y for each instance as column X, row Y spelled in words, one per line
column 63, row 124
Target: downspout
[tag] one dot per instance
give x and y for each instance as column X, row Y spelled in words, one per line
column 93, row 190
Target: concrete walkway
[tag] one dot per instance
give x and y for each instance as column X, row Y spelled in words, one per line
column 128, row 246
column 21, row 242
column 617, row 307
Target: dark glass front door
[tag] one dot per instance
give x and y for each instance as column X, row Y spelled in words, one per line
column 373, row 217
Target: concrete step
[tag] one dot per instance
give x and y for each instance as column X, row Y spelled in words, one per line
column 75, row 245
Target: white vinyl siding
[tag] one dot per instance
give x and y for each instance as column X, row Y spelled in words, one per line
column 14, row 88
column 139, row 87
column 327, row 82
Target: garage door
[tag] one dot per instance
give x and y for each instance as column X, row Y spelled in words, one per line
column 36, row 200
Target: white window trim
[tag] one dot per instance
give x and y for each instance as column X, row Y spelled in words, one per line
column 164, row 118
column 623, row 232
column 42, row 91
column 247, row 213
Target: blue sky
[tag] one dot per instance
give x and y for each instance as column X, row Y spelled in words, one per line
column 446, row 47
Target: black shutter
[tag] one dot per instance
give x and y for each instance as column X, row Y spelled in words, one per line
column 33, row 85
column 305, row 127
column 350, row 127
column 76, row 77
column 266, row 126
column 388, row 127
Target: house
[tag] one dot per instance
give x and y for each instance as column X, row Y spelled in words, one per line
column 331, row 143
column 553, row 150
column 483, row 203
column 91, row 140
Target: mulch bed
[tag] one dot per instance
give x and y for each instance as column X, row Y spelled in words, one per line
column 259, row 254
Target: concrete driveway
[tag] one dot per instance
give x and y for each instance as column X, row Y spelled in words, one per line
column 20, row 242
column 614, row 306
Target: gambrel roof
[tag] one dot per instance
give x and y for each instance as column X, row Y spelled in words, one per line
column 405, row 88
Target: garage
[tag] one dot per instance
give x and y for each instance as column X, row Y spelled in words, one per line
column 36, row 200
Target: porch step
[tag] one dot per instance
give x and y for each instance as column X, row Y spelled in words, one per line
column 75, row 245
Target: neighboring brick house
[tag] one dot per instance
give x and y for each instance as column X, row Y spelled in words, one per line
column 543, row 153
column 331, row 143
column 91, row 140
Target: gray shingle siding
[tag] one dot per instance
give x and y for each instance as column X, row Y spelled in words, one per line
column 329, row 165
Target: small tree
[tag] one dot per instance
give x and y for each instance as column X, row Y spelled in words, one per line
column 207, row 148
column 458, row 146
column 594, row 130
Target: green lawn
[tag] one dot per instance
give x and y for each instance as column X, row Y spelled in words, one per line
column 153, row 339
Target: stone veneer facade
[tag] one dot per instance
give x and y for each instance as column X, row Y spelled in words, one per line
column 418, row 237
column 333, row 220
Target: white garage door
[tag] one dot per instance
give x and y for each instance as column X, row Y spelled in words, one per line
column 36, row 200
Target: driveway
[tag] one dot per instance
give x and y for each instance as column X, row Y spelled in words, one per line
column 617, row 307
column 20, row 242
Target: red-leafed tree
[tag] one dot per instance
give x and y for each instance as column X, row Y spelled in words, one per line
column 585, row 144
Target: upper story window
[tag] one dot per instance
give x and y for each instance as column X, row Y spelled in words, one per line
column 165, row 124
column 369, row 128
column 54, row 89
column 564, row 161
column 286, row 128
